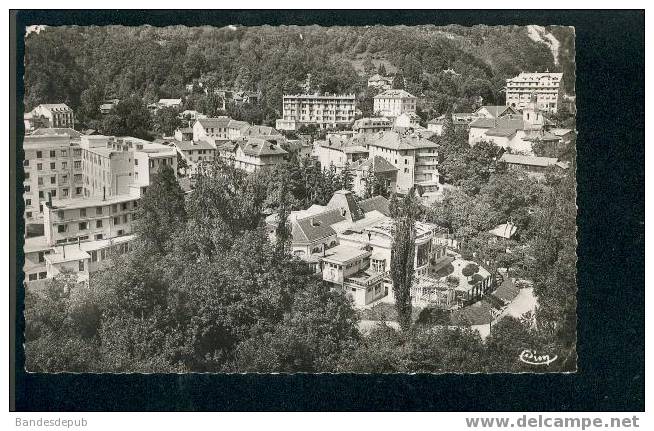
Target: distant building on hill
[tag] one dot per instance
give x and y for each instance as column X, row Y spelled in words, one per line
column 546, row 86
column 55, row 115
column 393, row 103
column 381, row 82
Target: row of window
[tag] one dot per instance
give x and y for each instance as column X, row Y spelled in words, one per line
column 53, row 154
column 84, row 225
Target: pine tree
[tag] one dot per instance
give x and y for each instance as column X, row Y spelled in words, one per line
column 162, row 210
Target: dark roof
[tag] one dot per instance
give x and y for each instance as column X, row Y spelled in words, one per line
column 375, row 203
column 377, row 164
column 507, row 291
column 478, row 313
column 317, row 226
column 498, row 131
column 214, row 122
column 394, row 140
column 261, row 147
column 505, row 122
column 192, row 145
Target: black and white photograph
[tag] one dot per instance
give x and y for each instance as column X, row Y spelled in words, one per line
column 300, row 199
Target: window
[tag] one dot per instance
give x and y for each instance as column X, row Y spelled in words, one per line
column 33, row 277
column 27, row 175
column 116, row 220
column 98, row 236
column 26, row 162
column 39, row 166
column 120, row 232
column 40, row 181
column 53, row 193
column 98, row 210
column 42, row 275
column 53, row 154
column 64, row 193
column 64, row 153
column 41, row 257
column 28, row 214
column 53, row 180
column 124, row 206
column 78, row 190
column 77, row 164
column 81, row 265
column 83, row 225
column 26, row 188
column 28, row 202
column 41, row 195
column 53, row 166
column 94, row 256
column 82, row 212
column 61, row 228
column 98, row 223
column 136, row 162
column 136, row 204
column 39, row 154
column 64, row 165
column 125, row 218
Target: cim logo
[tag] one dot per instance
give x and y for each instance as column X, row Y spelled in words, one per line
column 530, row 357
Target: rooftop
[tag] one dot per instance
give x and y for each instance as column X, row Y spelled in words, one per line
column 344, row 253
column 506, row 230
column 261, row 147
column 43, row 131
column 395, row 94
column 395, row 140
column 376, row 164
column 519, row 159
column 192, row 145
column 67, row 204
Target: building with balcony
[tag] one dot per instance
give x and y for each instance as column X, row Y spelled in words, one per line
column 381, row 82
column 393, row 103
column 214, row 130
column 350, row 242
column 545, row 86
column 339, row 151
column 252, row 154
column 414, row 157
column 325, row 111
column 195, row 153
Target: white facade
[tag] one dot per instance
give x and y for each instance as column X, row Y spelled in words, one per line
column 328, row 110
column 393, row 103
column 546, row 86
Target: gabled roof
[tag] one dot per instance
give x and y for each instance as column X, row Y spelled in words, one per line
column 343, row 200
column 506, row 122
column 394, row 140
column 501, row 132
column 260, row 147
column 192, row 145
column 497, row 110
column 375, row 203
column 396, row 94
column 259, row 131
column 377, row 165
column 219, row 122
column 317, row 226
column 58, row 107
column 505, row 230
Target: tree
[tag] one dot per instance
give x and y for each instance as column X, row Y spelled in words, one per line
column 346, row 179
column 129, row 117
column 162, row 210
column 469, row 270
column 166, row 121
column 403, row 253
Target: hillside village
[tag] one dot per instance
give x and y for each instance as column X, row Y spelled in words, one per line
column 457, row 221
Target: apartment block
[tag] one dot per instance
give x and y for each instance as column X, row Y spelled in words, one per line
column 326, row 111
column 545, row 86
column 56, row 114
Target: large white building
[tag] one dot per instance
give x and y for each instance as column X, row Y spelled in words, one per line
column 55, row 115
column 326, row 110
column 393, row 103
column 546, row 86
column 109, row 176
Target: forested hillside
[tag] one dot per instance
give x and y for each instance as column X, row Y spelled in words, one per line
column 82, row 65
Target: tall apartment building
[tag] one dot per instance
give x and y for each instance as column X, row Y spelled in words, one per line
column 545, row 86
column 84, row 230
column 415, row 158
column 327, row 110
column 393, row 103
column 53, row 167
column 57, row 114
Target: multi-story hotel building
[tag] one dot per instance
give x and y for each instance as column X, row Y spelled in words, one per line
column 81, row 231
column 393, row 103
column 545, row 86
column 415, row 158
column 57, row 114
column 327, row 110
column 52, row 167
